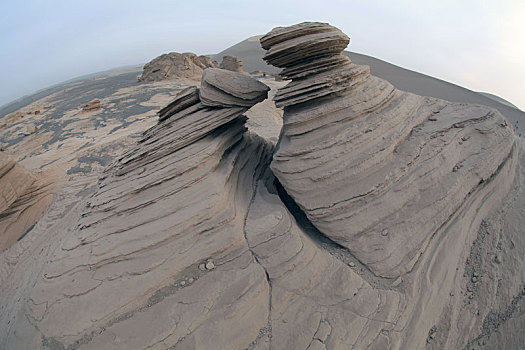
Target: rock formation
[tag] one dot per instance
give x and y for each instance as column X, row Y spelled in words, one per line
column 380, row 219
column 175, row 65
column 351, row 142
column 92, row 106
column 23, row 199
column 188, row 183
column 231, row 63
column 397, row 179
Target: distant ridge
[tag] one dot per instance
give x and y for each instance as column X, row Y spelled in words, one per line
column 497, row 99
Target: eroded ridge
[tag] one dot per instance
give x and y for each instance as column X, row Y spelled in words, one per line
column 376, row 169
column 159, row 258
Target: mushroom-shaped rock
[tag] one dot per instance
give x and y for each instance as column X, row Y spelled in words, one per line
column 289, row 45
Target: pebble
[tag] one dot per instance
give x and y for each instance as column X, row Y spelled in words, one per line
column 183, row 283
column 210, row 265
column 351, row 264
column 497, row 259
column 202, row 267
column 451, row 294
column 475, row 274
column 384, row 232
column 474, row 279
column 191, row 280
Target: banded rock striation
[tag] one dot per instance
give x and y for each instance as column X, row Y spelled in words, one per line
column 23, row 199
column 377, row 170
column 166, row 207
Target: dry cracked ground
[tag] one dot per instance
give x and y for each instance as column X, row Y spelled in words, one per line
column 328, row 211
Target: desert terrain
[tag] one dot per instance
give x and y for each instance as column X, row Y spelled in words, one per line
column 349, row 203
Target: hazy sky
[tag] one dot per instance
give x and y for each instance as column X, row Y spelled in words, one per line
column 473, row 43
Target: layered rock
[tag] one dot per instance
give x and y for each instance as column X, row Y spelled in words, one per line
column 158, row 257
column 190, row 241
column 175, row 65
column 318, row 301
column 377, row 170
column 23, row 199
column 231, row 63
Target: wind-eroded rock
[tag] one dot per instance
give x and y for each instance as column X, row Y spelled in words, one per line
column 175, row 65
column 23, row 199
column 377, row 170
column 380, row 230
column 231, row 63
column 128, row 274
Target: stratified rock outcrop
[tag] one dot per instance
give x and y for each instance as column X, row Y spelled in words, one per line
column 231, row 63
column 378, row 170
column 160, row 247
column 23, row 199
column 175, row 65
column 401, row 182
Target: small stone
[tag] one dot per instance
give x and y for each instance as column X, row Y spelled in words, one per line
column 351, row 264
column 469, row 289
column 432, row 119
column 471, row 296
column 183, row 283
column 474, row 279
column 475, row 274
column 451, row 294
column 497, row 259
column 384, row 232
column 210, row 265
column 202, row 267
column 191, row 280
column 432, row 335
column 397, row 282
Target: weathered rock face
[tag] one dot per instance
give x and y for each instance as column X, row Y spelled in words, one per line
column 23, row 199
column 131, row 261
column 175, row 65
column 377, row 170
column 231, row 63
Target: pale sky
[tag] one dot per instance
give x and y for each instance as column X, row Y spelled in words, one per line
column 473, row 43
